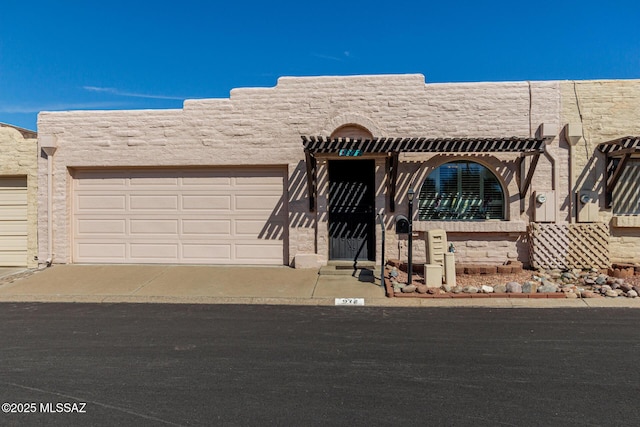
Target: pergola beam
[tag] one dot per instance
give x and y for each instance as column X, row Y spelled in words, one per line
column 524, row 185
column 618, row 153
column 392, row 174
column 312, row 187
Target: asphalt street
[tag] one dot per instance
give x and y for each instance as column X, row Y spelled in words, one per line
column 156, row 364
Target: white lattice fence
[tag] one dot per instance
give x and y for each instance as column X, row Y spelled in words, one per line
column 569, row 246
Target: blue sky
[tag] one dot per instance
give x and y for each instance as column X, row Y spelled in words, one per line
column 76, row 55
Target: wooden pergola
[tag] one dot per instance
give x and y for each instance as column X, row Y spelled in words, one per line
column 618, row 153
column 392, row 147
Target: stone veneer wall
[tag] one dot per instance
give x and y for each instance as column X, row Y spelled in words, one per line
column 18, row 156
column 604, row 110
column 262, row 126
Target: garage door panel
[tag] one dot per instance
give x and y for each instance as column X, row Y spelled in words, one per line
column 152, row 180
column 207, row 253
column 256, row 254
column 13, row 228
column 257, row 203
column 155, row 226
column 12, row 258
column 13, row 213
column 273, row 231
column 100, row 252
column 200, row 202
column 110, row 227
column 104, row 202
column 273, row 179
column 206, row 227
column 114, row 183
column 156, row 202
column 259, row 229
column 196, row 181
column 14, row 243
column 13, row 198
column 154, row 250
column 220, row 216
column 9, row 258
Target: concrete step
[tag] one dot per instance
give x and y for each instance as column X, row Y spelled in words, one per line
column 346, row 268
column 350, row 264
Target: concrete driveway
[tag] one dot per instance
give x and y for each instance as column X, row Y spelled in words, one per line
column 143, row 283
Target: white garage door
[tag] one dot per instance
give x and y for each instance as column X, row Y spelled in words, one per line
column 13, row 222
column 212, row 216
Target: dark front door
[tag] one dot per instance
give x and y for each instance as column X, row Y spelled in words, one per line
column 351, row 210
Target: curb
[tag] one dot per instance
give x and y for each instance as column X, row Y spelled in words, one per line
column 326, row 301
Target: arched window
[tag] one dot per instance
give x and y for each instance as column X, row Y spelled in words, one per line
column 461, row 191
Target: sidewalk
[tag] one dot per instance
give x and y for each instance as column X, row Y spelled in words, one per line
column 231, row 285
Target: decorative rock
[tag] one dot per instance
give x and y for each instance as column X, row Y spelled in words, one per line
column 611, row 293
column 393, row 272
column 486, row 289
column 514, row 287
column 529, row 287
column 397, row 287
column 637, row 289
column 555, row 274
column 543, row 274
column 456, row 289
column 589, row 281
column 447, row 287
column 625, row 287
column 409, row 289
column 548, row 288
column 433, row 291
column 601, row 279
column 606, row 288
column 571, row 295
column 470, row 290
column 422, row 289
column 500, row 289
column 632, row 294
column 588, row 294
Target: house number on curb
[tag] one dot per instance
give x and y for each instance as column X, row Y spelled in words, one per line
column 349, row 301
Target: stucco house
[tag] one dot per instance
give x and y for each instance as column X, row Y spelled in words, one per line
column 301, row 173
column 18, row 196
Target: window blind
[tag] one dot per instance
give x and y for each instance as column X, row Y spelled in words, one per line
column 461, row 191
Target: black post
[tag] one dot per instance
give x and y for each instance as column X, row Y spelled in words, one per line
column 410, row 195
column 381, row 218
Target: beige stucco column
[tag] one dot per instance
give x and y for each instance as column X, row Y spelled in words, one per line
column 380, row 202
column 322, row 210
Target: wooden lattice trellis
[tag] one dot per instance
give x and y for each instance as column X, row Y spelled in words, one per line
column 569, row 246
